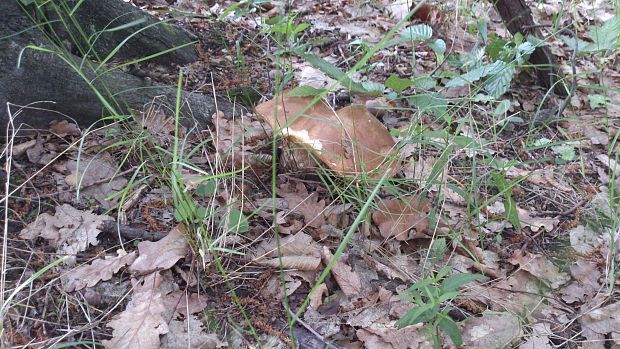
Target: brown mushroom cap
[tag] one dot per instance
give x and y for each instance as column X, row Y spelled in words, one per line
column 350, row 141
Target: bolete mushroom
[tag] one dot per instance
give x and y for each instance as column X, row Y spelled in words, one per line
column 350, row 141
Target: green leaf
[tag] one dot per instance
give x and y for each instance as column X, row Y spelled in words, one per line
column 207, row 188
column 331, row 70
column 452, row 329
column 510, row 205
column 566, row 152
column 604, row 37
column 453, row 282
column 418, row 32
column 305, row 91
column 502, row 108
column 494, row 48
column 237, row 222
column 439, row 47
column 373, row 87
column 499, row 82
column 412, row 316
column 397, row 84
column 424, row 82
column 431, row 102
column 597, row 101
column 473, row 75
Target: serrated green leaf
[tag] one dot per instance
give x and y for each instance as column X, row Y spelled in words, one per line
column 305, row 91
column 418, row 32
column 453, row 282
column 452, row 329
column 424, row 82
column 499, row 81
column 431, row 102
column 604, row 37
column 373, row 87
column 397, row 84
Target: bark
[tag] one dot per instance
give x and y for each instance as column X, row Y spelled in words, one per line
column 137, row 33
column 518, row 19
column 47, row 77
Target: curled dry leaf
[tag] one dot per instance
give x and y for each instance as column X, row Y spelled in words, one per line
column 584, row 239
column 491, row 331
column 350, row 142
column 63, row 128
column 69, row 229
column 97, row 177
column 184, row 304
column 162, row 254
column 542, row 268
column 141, row 323
column 99, row 270
column 387, row 336
column 602, row 323
column 402, row 219
column 189, row 333
column 298, row 252
column 539, row 338
column 536, row 223
column 585, row 284
column 309, row 205
column 348, row 281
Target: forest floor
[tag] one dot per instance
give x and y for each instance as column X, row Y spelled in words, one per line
column 495, row 225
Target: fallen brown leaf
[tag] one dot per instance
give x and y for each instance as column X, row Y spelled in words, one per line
column 491, row 330
column 348, row 281
column 141, row 323
column 162, row 254
column 540, row 267
column 69, row 229
column 99, row 270
column 402, row 219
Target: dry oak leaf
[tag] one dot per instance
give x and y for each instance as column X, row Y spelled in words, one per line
column 402, row 219
column 141, row 323
column 69, row 229
column 387, row 336
column 162, row 254
column 601, row 322
column 298, row 252
column 536, row 223
column 189, row 333
column 350, row 141
column 97, row 177
column 585, row 284
column 491, row 331
column 541, row 268
column 308, row 205
column 348, row 281
column 99, row 270
column 184, row 304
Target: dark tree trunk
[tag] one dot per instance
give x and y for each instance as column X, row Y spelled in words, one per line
column 518, row 19
column 147, row 35
column 47, row 78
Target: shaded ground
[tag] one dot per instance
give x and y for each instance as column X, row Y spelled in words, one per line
column 491, row 186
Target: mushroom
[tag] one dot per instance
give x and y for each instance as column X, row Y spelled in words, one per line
column 350, row 141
